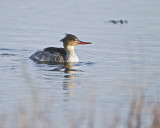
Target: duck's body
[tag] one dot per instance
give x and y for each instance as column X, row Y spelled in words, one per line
column 59, row 55
column 54, row 55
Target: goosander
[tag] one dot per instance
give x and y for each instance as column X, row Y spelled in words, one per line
column 59, row 55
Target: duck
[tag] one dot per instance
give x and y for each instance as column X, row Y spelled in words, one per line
column 59, row 55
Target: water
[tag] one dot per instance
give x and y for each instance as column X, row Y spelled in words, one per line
column 122, row 62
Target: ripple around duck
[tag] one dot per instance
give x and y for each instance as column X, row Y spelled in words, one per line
column 88, row 63
column 7, row 54
column 6, row 49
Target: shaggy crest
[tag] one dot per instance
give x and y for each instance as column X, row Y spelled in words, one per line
column 69, row 37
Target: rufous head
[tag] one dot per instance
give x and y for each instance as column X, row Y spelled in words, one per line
column 72, row 40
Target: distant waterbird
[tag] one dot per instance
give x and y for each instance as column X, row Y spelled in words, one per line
column 118, row 21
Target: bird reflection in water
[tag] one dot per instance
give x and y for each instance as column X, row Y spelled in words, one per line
column 69, row 82
column 70, row 76
column 69, row 69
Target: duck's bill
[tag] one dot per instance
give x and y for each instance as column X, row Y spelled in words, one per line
column 81, row 42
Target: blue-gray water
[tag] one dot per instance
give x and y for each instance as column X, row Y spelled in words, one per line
column 122, row 62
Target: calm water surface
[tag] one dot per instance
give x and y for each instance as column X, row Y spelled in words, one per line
column 122, row 62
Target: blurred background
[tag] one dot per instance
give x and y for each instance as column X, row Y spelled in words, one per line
column 116, row 84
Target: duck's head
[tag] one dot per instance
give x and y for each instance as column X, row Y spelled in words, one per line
column 72, row 40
